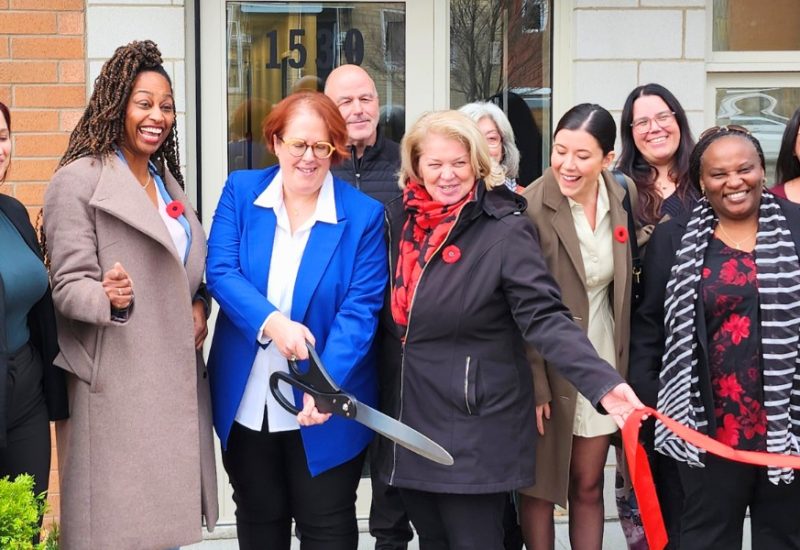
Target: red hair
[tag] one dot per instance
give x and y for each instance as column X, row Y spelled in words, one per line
column 319, row 103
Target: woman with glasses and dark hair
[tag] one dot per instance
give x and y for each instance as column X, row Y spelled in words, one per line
column 496, row 128
column 656, row 142
column 787, row 169
column 295, row 256
column 715, row 343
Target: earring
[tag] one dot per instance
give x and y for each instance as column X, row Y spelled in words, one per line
column 702, row 188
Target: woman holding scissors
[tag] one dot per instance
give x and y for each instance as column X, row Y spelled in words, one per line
column 295, row 255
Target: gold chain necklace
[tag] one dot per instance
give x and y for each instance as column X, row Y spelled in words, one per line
column 736, row 244
column 148, row 182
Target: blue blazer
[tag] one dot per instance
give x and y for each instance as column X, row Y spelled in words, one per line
column 337, row 295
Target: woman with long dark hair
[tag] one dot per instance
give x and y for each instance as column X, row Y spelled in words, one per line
column 656, row 143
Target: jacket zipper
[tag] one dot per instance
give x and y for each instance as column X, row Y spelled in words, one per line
column 466, row 386
column 408, row 326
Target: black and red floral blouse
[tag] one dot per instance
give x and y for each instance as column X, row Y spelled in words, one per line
column 730, row 296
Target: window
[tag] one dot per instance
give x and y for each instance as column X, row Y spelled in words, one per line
column 753, row 58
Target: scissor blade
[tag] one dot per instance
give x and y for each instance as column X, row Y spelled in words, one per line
column 398, row 432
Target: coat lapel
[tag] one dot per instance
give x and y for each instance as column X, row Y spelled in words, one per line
column 120, row 195
column 621, row 251
column 196, row 259
column 322, row 243
column 563, row 223
column 261, row 237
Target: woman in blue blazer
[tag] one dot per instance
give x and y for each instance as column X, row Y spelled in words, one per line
column 294, row 255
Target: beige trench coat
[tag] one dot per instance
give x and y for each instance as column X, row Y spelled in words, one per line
column 550, row 212
column 136, row 457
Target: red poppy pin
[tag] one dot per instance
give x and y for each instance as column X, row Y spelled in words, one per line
column 451, row 254
column 621, row 233
column 175, row 209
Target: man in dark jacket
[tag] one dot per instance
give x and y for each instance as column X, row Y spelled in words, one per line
column 372, row 167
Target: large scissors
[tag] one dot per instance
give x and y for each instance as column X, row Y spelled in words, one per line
column 329, row 398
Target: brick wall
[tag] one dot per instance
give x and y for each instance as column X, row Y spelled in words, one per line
column 42, row 80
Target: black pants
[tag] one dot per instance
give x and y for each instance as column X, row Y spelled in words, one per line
column 28, row 426
column 670, row 495
column 271, row 485
column 715, row 501
column 388, row 521
column 456, row 522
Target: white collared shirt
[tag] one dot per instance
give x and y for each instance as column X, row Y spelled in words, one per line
column 287, row 252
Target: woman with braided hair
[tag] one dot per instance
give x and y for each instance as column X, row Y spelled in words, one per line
column 127, row 254
column 715, row 343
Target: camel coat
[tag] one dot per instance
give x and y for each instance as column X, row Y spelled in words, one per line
column 136, row 457
column 550, row 211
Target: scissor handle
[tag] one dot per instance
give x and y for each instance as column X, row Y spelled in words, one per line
column 336, row 403
column 278, row 395
column 316, row 376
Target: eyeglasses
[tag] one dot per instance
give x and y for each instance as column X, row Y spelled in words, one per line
column 298, row 147
column 494, row 141
column 734, row 128
column 664, row 119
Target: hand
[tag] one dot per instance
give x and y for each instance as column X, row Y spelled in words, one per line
column 310, row 416
column 620, row 402
column 289, row 336
column 118, row 287
column 200, row 323
column 542, row 411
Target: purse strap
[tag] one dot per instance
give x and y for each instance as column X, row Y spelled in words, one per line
column 626, row 204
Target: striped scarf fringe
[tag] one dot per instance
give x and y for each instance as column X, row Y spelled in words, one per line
column 778, row 277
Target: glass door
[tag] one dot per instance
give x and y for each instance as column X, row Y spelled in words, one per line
column 253, row 54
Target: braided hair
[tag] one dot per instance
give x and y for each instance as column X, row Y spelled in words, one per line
column 710, row 136
column 101, row 128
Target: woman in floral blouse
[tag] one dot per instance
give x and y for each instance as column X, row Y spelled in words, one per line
column 715, row 344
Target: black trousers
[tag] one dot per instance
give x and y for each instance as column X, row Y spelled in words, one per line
column 715, row 501
column 388, row 521
column 271, row 485
column 28, row 426
column 456, row 522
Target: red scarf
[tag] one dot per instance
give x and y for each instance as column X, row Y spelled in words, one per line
column 427, row 226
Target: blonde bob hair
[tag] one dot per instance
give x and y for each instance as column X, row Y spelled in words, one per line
column 450, row 125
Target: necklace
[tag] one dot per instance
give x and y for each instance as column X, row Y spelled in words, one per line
column 148, row 182
column 736, row 244
column 665, row 186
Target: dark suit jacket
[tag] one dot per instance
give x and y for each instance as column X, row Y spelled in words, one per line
column 647, row 328
column 42, row 325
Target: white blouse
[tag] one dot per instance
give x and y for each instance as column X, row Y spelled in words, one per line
column 287, row 252
column 598, row 263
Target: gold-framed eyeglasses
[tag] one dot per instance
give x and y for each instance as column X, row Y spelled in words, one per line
column 664, row 119
column 298, row 147
column 735, row 128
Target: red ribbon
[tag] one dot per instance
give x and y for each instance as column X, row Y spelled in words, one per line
column 642, row 478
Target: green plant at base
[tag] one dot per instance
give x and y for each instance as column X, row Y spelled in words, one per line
column 20, row 511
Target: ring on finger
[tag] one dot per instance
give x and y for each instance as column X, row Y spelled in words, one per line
column 119, row 291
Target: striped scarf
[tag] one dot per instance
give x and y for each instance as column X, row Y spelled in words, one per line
column 779, row 301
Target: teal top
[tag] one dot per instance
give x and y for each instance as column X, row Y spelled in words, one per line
column 24, row 281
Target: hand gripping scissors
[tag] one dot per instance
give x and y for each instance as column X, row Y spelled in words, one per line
column 329, row 398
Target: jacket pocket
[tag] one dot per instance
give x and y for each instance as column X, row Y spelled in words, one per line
column 96, row 361
column 470, row 386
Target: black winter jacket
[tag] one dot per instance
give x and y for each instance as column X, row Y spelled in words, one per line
column 42, row 326
column 462, row 377
column 375, row 173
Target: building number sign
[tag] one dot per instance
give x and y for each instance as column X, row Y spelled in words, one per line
column 353, row 49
